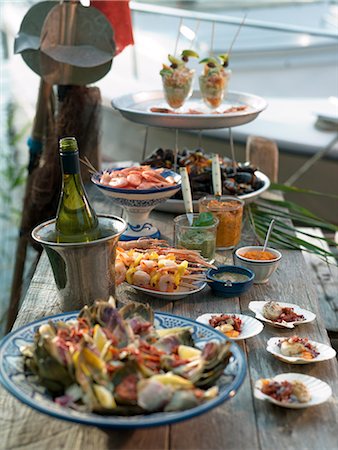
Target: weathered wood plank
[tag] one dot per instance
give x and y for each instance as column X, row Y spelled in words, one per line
column 324, row 277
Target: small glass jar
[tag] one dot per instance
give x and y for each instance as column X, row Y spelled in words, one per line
column 229, row 211
column 201, row 238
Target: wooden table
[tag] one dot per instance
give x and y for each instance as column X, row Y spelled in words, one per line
column 241, row 423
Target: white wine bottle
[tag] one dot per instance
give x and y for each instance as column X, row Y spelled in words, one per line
column 76, row 220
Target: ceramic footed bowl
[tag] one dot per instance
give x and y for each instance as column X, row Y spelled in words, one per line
column 138, row 204
column 139, row 197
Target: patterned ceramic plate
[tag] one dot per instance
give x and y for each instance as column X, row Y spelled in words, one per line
column 257, row 308
column 251, row 326
column 170, row 296
column 27, row 389
column 325, row 352
column 319, row 390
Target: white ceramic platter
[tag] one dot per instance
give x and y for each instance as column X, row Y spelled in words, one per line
column 257, row 308
column 170, row 296
column 136, row 107
column 325, row 352
column 251, row 326
column 319, row 390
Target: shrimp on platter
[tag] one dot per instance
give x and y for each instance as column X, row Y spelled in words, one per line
column 142, row 177
column 157, row 266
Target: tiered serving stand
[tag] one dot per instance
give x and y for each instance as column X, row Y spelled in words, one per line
column 137, row 108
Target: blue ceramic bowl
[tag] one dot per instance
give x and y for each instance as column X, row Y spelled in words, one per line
column 233, row 289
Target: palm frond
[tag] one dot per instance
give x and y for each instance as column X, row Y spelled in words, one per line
column 286, row 213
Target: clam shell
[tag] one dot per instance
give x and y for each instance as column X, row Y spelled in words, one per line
column 319, row 390
column 325, row 352
column 251, row 326
column 257, row 308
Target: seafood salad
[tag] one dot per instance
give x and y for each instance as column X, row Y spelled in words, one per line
column 297, row 346
column 152, row 264
column 276, row 313
column 142, row 177
column 214, row 80
column 177, row 79
column 115, row 362
column 285, row 391
column 230, row 325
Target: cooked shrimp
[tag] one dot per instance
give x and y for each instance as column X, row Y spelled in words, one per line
column 141, row 278
column 105, row 178
column 147, row 264
column 118, row 182
column 166, row 283
column 142, row 177
column 143, row 244
column 120, row 272
column 134, row 179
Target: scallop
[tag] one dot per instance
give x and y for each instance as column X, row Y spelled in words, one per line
column 272, row 310
column 301, row 391
column 291, row 349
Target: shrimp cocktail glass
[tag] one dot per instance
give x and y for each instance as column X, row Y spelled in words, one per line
column 177, row 79
column 229, row 212
column 214, row 80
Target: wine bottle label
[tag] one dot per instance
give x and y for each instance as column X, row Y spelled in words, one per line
column 70, row 162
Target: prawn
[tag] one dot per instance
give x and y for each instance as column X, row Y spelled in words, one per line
column 120, row 272
column 166, row 283
column 118, row 182
column 143, row 244
column 141, row 278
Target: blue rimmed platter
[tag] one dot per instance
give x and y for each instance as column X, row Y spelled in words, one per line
column 26, row 388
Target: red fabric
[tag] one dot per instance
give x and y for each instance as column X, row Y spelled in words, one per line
column 118, row 14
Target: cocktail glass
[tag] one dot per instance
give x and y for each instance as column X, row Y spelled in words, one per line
column 178, row 87
column 214, row 87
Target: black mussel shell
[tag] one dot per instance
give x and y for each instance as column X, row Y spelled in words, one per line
column 244, row 177
column 231, row 186
column 258, row 184
column 246, row 167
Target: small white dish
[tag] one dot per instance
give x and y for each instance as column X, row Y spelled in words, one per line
column 319, row 390
column 257, row 308
column 325, row 352
column 172, row 296
column 251, row 326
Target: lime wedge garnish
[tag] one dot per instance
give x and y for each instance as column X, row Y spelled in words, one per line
column 190, row 54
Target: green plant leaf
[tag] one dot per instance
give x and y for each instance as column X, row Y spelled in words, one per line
column 285, row 188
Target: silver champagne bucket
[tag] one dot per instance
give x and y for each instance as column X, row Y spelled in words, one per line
column 83, row 271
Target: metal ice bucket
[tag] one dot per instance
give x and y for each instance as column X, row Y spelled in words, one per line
column 84, row 271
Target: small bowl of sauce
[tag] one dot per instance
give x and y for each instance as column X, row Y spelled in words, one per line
column 258, row 255
column 230, row 281
column 262, row 263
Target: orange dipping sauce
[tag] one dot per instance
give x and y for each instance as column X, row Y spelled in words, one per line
column 258, row 255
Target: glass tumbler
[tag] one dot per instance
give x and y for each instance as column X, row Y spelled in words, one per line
column 229, row 211
column 201, row 238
